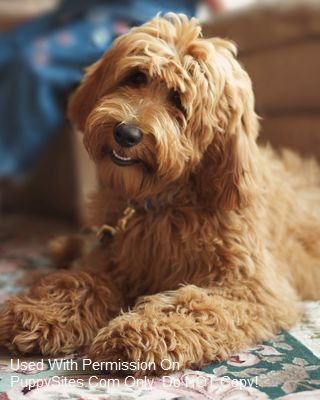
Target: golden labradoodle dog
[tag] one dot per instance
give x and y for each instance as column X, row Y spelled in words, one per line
column 221, row 237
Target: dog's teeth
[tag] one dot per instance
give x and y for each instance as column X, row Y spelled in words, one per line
column 121, row 157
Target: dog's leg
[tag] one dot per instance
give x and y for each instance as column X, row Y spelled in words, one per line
column 191, row 326
column 60, row 315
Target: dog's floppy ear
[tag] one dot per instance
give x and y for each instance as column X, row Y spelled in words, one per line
column 228, row 175
column 100, row 77
column 85, row 96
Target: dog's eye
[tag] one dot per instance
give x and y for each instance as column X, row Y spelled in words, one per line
column 175, row 99
column 138, row 78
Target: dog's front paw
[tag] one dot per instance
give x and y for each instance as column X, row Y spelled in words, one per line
column 6, row 324
column 54, row 318
column 21, row 327
column 60, row 315
column 140, row 346
column 28, row 326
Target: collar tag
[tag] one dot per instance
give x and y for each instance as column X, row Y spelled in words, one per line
column 108, row 231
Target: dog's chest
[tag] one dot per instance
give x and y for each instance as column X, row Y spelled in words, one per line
column 160, row 251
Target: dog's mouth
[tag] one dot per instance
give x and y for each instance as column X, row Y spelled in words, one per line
column 122, row 160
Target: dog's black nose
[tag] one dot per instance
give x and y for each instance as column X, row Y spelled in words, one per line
column 127, row 135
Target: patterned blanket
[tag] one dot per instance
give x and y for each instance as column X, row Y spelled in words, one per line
column 286, row 368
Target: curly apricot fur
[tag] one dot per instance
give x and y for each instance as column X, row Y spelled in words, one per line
column 232, row 243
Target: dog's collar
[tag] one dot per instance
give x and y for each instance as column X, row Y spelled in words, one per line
column 106, row 231
column 147, row 204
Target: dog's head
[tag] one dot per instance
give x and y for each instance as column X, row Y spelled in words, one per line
column 164, row 106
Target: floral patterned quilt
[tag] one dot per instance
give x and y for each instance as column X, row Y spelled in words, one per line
column 286, row 368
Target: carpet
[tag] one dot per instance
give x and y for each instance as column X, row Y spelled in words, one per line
column 286, row 368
